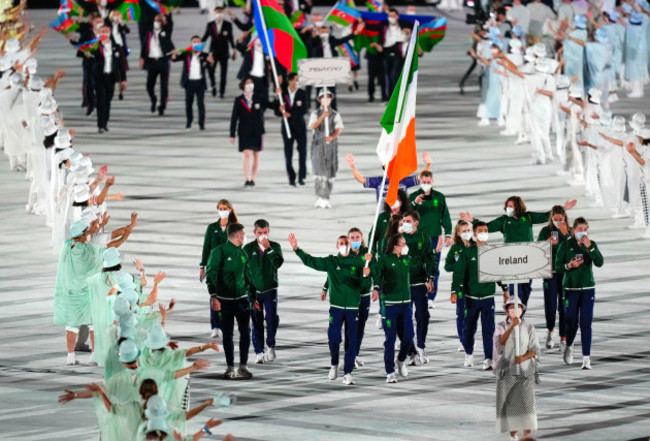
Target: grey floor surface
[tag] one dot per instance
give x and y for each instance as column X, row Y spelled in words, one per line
column 173, row 178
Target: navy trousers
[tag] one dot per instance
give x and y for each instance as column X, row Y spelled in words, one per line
column 338, row 317
column 460, row 316
column 364, row 311
column 553, row 297
column 483, row 308
column 579, row 311
column 398, row 322
column 434, row 245
column 419, row 301
column 268, row 312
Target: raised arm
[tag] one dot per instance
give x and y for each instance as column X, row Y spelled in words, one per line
column 358, row 176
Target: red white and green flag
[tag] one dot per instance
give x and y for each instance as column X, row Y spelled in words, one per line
column 283, row 41
column 396, row 147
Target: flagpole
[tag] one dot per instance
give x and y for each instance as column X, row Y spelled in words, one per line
column 275, row 72
column 396, row 126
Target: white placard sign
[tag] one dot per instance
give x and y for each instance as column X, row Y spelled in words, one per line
column 321, row 72
column 515, row 261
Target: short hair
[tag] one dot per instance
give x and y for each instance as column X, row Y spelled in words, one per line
column 580, row 221
column 479, row 224
column 393, row 10
column 520, row 206
column 194, row 36
column 426, row 174
column 291, row 76
column 413, row 214
column 219, row 7
column 342, row 237
column 233, row 229
column 501, row 10
column 261, row 223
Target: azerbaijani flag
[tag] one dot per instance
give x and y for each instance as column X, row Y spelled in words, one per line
column 374, row 5
column 396, row 147
column 346, row 51
column 91, row 45
column 130, row 10
column 64, row 24
column 343, row 15
column 72, row 8
column 157, row 6
column 192, row 48
column 297, row 19
column 432, row 33
column 278, row 36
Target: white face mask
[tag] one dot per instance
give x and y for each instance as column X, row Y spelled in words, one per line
column 392, row 20
column 405, row 250
column 157, row 25
column 467, row 235
column 327, row 102
column 406, row 227
column 325, row 35
column 426, row 187
column 223, row 214
column 249, row 88
column 510, row 211
column 218, row 16
column 396, row 205
column 262, row 237
column 556, row 224
column 482, row 237
column 343, row 250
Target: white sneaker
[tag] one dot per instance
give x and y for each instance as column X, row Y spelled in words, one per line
column 484, row 122
column 620, row 215
column 487, row 365
column 401, row 368
column 347, row 379
column 501, row 122
column 358, row 363
column 270, row 355
column 319, row 203
column 259, row 358
column 390, row 378
column 469, row 360
column 326, row 203
column 562, row 345
column 413, row 360
column 334, row 373
column 586, row 363
column 422, row 355
column 216, row 333
column 568, row 355
column 461, row 348
column 432, row 304
column 637, row 225
column 522, row 140
column 92, row 361
column 378, row 323
column 549, row 340
column 72, row 360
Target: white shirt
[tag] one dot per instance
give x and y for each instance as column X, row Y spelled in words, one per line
column 258, row 63
column 327, row 49
column 108, row 57
column 116, row 34
column 539, row 13
column 195, row 67
column 154, row 45
column 394, row 35
column 292, row 96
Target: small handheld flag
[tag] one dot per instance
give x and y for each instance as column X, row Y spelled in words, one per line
column 64, row 24
column 130, row 10
column 432, row 33
column 343, row 15
column 91, row 45
column 192, row 48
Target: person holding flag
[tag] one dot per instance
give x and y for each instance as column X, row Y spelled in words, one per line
column 390, row 42
column 193, row 80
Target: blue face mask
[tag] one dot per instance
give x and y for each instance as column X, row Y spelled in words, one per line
column 355, row 245
column 580, row 235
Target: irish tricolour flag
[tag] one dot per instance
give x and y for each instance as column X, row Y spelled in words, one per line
column 396, row 148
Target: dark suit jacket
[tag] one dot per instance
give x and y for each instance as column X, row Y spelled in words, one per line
column 317, row 45
column 166, row 44
column 383, row 29
column 185, row 74
column 297, row 109
column 85, row 34
column 251, row 120
column 118, row 70
column 220, row 43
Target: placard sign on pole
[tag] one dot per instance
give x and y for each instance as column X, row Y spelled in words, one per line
column 323, row 72
column 511, row 262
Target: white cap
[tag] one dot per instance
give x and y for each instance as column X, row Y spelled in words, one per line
column 644, row 133
column 575, row 92
column 16, row 80
column 618, row 124
column 75, row 158
column 595, row 94
column 65, row 154
column 49, row 126
column 563, row 82
column 63, row 139
column 539, row 50
column 30, row 65
column 637, row 121
column 48, row 106
column 35, row 83
column 81, row 193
